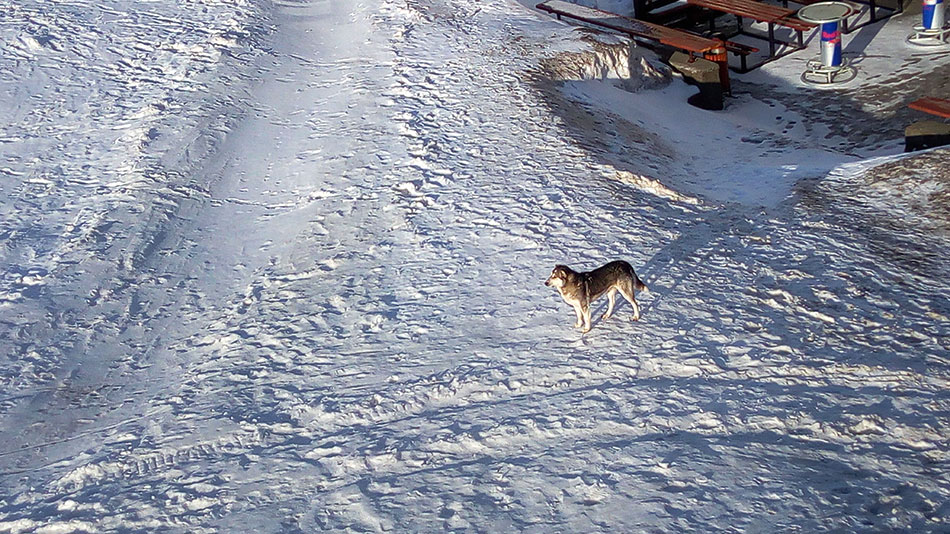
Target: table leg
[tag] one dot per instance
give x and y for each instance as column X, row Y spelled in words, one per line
column 772, row 39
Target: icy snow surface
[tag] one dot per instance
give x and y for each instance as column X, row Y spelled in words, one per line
column 277, row 267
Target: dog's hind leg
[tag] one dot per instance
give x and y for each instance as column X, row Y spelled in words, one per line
column 611, row 297
column 627, row 292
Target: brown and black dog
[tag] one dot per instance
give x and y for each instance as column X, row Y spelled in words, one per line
column 580, row 289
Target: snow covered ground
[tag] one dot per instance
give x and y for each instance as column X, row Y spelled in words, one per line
column 277, row 267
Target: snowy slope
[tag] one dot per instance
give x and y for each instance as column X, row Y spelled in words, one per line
column 315, row 302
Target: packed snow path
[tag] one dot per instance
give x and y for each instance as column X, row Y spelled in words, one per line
column 316, row 303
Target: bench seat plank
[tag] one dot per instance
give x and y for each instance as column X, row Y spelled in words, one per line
column 934, row 106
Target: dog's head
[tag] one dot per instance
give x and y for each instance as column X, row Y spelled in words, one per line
column 558, row 277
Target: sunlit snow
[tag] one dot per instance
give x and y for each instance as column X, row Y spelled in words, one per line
column 278, row 266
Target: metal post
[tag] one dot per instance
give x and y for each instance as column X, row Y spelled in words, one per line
column 771, row 39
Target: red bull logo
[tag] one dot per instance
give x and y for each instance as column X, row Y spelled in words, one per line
column 833, row 37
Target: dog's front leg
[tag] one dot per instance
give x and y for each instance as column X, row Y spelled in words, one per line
column 579, row 314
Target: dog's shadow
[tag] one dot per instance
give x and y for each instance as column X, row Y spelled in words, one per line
column 596, row 315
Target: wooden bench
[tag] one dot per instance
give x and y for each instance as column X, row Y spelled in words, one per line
column 934, row 106
column 928, row 134
column 769, row 14
column 711, row 49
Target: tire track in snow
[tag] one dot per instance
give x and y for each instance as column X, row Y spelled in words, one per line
column 148, row 465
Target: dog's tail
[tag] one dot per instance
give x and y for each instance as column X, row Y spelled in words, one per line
column 640, row 286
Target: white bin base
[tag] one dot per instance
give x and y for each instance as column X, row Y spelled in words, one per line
column 818, row 73
column 924, row 37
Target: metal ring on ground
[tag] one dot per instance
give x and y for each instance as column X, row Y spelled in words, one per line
column 832, row 75
column 928, row 38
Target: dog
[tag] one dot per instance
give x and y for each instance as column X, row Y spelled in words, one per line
column 580, row 290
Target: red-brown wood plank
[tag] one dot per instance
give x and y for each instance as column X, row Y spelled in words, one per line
column 935, row 106
column 746, row 8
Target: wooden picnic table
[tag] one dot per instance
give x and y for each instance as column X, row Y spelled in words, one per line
column 709, row 48
column 760, row 12
column 634, row 27
column 746, row 8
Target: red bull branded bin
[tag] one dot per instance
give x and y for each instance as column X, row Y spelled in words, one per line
column 933, row 14
column 933, row 31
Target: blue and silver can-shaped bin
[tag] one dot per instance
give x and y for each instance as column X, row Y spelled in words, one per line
column 933, row 14
column 831, row 44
